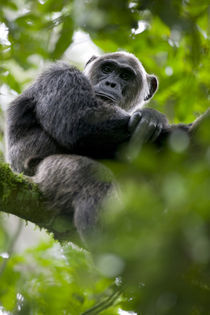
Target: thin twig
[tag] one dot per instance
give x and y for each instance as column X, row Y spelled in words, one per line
column 11, row 246
column 96, row 309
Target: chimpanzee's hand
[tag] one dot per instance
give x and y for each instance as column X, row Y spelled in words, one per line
column 145, row 125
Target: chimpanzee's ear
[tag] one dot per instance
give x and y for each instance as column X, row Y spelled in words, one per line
column 90, row 60
column 152, row 84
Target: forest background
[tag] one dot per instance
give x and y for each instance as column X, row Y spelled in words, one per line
column 155, row 255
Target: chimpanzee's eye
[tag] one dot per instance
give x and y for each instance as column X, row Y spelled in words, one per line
column 126, row 75
column 107, row 68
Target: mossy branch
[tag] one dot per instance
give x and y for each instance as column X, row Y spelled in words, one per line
column 21, row 197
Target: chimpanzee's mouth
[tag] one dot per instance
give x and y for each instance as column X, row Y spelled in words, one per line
column 106, row 97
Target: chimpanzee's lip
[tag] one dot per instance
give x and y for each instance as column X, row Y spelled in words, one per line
column 106, row 96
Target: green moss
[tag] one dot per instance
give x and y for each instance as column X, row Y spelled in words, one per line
column 10, row 182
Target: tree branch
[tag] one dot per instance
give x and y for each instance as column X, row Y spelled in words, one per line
column 21, row 197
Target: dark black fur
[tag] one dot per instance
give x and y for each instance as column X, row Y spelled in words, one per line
column 66, row 119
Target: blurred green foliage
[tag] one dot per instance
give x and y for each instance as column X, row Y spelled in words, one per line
column 51, row 279
column 156, row 248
